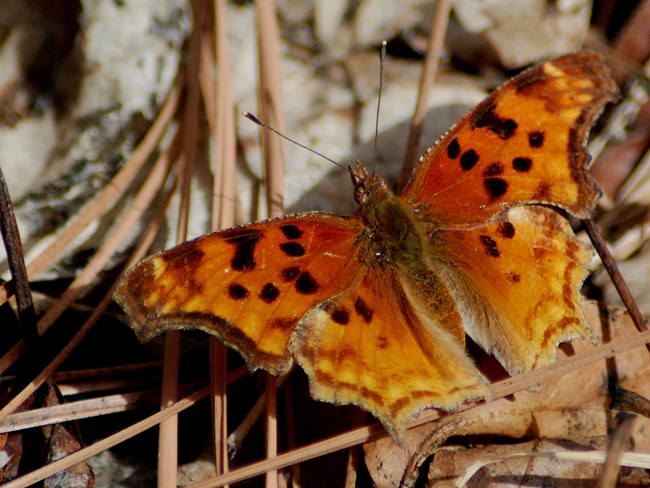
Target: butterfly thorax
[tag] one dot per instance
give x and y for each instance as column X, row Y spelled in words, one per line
column 391, row 233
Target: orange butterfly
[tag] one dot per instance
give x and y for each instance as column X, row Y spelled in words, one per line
column 375, row 307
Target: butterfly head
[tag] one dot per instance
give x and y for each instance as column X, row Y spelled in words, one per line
column 365, row 184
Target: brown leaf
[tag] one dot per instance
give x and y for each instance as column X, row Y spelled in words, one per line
column 63, row 439
column 527, row 471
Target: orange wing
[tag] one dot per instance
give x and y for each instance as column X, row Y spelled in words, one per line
column 248, row 285
column 523, row 144
column 517, row 283
column 374, row 348
column 307, row 285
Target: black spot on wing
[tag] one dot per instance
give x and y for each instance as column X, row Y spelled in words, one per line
column 291, row 231
column 468, row 160
column 514, row 277
column 306, row 284
column 494, row 169
column 245, row 242
column 453, row 149
column 536, row 139
column 490, row 120
column 363, row 310
column 522, row 165
column 340, row 315
column 269, row 293
column 237, row 291
column 290, row 273
column 292, row 249
column 490, row 246
column 495, row 187
column 506, row 230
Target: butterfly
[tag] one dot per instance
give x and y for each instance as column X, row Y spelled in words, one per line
column 375, row 307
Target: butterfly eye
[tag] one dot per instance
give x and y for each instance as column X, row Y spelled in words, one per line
column 361, row 194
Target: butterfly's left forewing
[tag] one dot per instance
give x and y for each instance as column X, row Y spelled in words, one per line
column 522, row 144
column 248, row 285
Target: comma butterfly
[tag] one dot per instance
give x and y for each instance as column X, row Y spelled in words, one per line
column 375, row 307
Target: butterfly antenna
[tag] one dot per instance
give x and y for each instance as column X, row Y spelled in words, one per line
column 382, row 60
column 252, row 118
